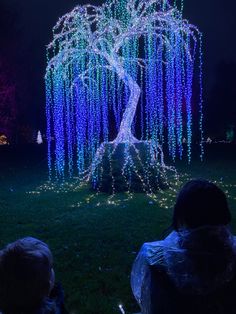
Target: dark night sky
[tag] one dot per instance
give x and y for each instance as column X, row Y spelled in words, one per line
column 25, row 30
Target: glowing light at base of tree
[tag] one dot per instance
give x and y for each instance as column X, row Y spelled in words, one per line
column 119, row 73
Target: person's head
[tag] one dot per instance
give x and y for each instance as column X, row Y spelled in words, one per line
column 26, row 275
column 200, row 203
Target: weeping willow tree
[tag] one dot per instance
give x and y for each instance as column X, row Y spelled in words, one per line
column 120, row 74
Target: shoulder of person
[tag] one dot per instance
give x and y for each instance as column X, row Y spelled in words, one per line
column 153, row 251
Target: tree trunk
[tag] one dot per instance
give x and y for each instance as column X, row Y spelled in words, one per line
column 125, row 133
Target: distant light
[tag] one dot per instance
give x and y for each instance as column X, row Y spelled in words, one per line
column 3, row 140
column 121, row 309
column 39, row 138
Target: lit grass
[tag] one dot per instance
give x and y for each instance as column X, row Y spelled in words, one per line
column 95, row 238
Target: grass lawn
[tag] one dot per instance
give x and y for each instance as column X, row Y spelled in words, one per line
column 94, row 238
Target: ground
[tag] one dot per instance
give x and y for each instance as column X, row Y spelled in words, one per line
column 95, row 238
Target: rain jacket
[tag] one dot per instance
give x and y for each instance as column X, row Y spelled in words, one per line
column 192, row 270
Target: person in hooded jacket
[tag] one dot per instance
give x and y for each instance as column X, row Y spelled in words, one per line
column 27, row 279
column 193, row 270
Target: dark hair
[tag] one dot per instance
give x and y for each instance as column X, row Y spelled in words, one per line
column 200, row 203
column 25, row 271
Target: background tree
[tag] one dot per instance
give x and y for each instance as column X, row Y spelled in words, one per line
column 221, row 105
column 15, row 90
column 8, row 105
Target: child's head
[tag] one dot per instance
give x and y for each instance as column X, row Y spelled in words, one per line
column 200, row 203
column 26, row 275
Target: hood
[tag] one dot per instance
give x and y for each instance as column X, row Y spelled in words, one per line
column 200, row 260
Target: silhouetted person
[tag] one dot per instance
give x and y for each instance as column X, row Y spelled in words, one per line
column 27, row 279
column 193, row 270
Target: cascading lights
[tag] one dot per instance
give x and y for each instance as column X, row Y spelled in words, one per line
column 118, row 70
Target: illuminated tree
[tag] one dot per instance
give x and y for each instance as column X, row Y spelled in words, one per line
column 39, row 139
column 106, row 65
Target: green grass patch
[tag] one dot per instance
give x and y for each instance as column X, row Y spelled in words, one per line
column 94, row 237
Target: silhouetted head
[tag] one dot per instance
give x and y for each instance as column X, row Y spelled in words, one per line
column 200, row 203
column 26, row 275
